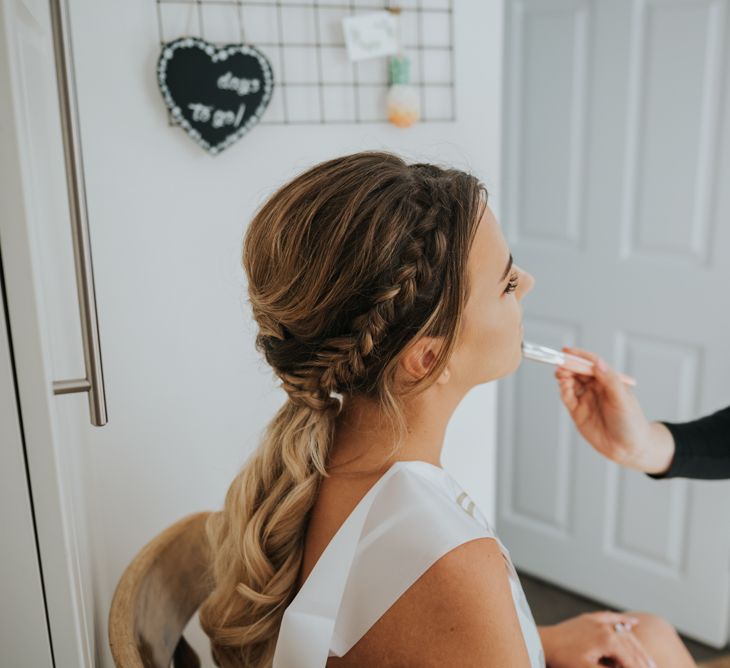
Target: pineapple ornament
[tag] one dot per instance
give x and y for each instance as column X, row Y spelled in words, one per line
column 402, row 101
column 403, row 104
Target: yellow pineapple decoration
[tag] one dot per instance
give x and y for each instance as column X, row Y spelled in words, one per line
column 402, row 101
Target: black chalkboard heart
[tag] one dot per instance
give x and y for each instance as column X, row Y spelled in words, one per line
column 216, row 93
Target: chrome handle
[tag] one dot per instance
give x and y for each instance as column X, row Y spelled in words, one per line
column 94, row 381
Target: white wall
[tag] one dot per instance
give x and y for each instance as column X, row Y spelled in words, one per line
column 151, row 190
column 170, row 178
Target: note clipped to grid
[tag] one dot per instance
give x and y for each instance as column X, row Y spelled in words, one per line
column 370, row 35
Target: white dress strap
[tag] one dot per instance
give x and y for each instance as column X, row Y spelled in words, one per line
column 309, row 620
column 409, row 528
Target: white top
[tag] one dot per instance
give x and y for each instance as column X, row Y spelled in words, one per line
column 412, row 516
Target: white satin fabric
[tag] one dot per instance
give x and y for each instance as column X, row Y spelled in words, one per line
column 413, row 515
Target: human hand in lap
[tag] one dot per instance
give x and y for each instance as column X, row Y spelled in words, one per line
column 591, row 639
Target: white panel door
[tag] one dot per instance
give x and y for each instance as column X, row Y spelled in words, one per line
column 616, row 172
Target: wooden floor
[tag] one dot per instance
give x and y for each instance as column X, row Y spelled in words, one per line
column 716, row 663
column 551, row 604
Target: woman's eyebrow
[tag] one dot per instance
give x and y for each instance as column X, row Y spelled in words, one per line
column 506, row 271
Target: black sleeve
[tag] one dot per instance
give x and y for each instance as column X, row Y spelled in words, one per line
column 702, row 448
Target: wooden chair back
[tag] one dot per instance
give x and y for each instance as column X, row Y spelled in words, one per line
column 156, row 596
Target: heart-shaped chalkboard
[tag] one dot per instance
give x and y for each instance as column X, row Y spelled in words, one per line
column 216, row 93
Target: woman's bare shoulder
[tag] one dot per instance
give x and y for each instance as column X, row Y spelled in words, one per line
column 460, row 611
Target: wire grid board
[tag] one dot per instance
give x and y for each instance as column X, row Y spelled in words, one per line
column 314, row 81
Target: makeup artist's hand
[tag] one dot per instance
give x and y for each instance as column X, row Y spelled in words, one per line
column 591, row 640
column 609, row 416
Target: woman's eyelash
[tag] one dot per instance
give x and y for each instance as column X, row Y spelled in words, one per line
column 513, row 282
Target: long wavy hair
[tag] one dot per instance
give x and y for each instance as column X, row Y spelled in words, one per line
column 347, row 264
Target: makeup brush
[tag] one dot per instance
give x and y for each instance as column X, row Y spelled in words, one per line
column 532, row 351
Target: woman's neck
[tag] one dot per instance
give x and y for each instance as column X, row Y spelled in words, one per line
column 363, row 439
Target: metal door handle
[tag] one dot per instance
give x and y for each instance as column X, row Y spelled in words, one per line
column 94, row 381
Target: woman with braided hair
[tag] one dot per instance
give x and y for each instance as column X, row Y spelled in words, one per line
column 383, row 293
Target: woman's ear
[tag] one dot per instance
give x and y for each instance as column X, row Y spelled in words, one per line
column 419, row 358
